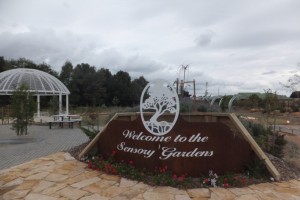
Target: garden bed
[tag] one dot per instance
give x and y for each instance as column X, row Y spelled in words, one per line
column 163, row 177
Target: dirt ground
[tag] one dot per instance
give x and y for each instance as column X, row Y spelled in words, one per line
column 292, row 150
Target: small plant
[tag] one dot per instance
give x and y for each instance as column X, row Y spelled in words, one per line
column 226, row 181
column 257, row 169
column 231, row 180
column 278, row 145
column 211, row 180
column 91, row 133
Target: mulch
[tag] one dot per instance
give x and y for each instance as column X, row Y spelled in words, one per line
column 287, row 171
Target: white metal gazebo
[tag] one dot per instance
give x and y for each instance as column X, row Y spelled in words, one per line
column 40, row 84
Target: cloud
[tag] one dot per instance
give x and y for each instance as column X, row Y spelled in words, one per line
column 233, row 45
column 42, row 45
column 135, row 64
column 269, row 73
column 55, row 48
column 204, row 38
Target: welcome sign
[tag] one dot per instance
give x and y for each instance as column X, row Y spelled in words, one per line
column 189, row 144
column 191, row 148
column 159, row 136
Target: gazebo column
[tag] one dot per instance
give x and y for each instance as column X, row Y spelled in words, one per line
column 67, row 104
column 38, row 105
column 60, row 103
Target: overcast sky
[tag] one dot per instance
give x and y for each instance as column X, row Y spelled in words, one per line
column 234, row 45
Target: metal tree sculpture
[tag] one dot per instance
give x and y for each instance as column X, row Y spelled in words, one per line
column 161, row 100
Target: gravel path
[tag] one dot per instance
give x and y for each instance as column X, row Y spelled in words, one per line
column 40, row 142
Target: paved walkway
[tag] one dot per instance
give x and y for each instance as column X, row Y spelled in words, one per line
column 60, row 177
column 41, row 141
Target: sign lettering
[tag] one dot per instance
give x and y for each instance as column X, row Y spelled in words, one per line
column 166, row 152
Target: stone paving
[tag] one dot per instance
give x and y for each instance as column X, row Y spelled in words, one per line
column 59, row 176
column 40, row 141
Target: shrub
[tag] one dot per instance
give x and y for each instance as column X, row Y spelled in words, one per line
column 186, row 107
column 278, row 146
column 259, row 133
column 91, row 133
column 202, row 108
column 269, row 141
column 257, row 168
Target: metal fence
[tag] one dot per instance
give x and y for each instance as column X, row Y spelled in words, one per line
column 295, row 130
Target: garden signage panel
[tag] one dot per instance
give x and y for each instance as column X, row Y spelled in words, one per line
column 191, row 148
column 160, row 138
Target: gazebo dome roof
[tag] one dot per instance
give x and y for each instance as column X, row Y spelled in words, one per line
column 39, row 82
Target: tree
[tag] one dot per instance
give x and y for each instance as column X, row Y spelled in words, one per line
column 23, row 107
column 26, row 63
column 277, row 142
column 46, row 68
column 293, row 82
column 295, row 95
column 86, row 86
column 4, row 100
column 136, row 89
column 65, row 75
column 80, row 83
column 254, row 101
column 21, row 63
column 270, row 102
column 105, row 76
column 120, row 88
column 2, row 64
